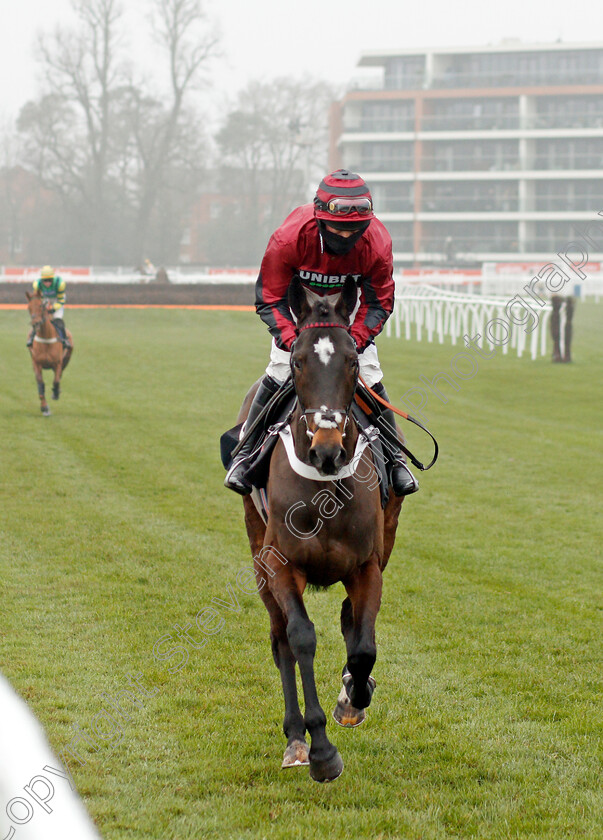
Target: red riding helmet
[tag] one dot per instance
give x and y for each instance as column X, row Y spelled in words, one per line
column 343, row 197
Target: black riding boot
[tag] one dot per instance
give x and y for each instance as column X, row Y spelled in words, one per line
column 235, row 477
column 59, row 326
column 403, row 481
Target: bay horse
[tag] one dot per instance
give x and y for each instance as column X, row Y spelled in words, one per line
column 348, row 537
column 47, row 352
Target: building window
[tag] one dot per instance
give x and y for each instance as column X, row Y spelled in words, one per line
column 470, row 196
column 405, row 72
column 568, row 112
column 569, row 153
column 382, row 157
column 470, row 237
column 471, row 155
column 472, row 114
column 506, row 69
column 393, row 198
column 387, row 116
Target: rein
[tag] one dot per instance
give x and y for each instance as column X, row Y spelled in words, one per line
column 367, row 409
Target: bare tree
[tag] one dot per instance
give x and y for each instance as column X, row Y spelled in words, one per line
column 113, row 152
column 83, row 71
column 273, row 144
column 181, row 30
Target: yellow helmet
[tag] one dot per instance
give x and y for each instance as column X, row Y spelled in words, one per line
column 47, row 273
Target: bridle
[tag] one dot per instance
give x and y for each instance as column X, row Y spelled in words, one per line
column 325, row 418
column 44, row 312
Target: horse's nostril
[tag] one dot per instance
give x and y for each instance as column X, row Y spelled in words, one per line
column 327, row 459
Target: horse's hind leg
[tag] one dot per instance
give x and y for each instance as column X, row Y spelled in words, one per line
column 68, row 350
column 56, row 385
column 358, row 615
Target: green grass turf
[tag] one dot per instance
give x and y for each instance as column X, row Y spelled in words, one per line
column 114, row 525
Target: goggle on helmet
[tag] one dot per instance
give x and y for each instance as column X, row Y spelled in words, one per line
column 344, row 197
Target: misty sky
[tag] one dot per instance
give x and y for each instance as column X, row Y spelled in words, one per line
column 319, row 38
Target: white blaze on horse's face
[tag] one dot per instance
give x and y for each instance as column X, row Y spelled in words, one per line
column 331, row 421
column 324, row 349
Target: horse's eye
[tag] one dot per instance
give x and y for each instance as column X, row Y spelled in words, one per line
column 297, row 364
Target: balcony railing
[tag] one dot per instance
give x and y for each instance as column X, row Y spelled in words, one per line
column 568, row 161
column 407, row 81
column 402, row 243
column 546, row 244
column 464, row 204
column 387, row 165
column 372, row 125
column 469, row 244
column 469, row 122
column 393, row 204
column 479, row 122
column 469, row 163
column 476, row 122
column 560, row 203
column 581, row 119
column 510, row 78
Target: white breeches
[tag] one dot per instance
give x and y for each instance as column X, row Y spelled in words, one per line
column 370, row 369
column 58, row 313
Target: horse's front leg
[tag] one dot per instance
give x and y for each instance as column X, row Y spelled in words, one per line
column 37, row 369
column 325, row 761
column 358, row 616
column 293, row 725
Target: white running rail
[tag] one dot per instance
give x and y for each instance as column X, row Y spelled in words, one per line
column 433, row 312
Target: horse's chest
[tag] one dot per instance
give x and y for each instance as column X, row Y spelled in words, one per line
column 331, row 553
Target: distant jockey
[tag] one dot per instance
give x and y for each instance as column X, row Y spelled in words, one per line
column 323, row 242
column 52, row 289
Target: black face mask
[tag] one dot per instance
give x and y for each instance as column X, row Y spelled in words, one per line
column 336, row 244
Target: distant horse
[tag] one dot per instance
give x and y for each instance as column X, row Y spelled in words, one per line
column 47, row 352
column 321, row 532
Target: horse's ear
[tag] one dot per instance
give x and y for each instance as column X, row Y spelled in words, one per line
column 348, row 298
column 28, row 295
column 298, row 301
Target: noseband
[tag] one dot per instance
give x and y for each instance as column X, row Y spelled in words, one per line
column 325, row 418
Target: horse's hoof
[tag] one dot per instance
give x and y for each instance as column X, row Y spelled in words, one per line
column 327, row 771
column 345, row 713
column 46, row 412
column 296, row 754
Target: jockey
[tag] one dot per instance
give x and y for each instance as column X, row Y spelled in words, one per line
column 323, row 242
column 52, row 289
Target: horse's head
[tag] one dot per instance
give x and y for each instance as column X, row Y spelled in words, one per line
column 37, row 309
column 324, row 367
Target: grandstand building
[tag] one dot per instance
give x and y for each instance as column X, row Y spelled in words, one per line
column 477, row 154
